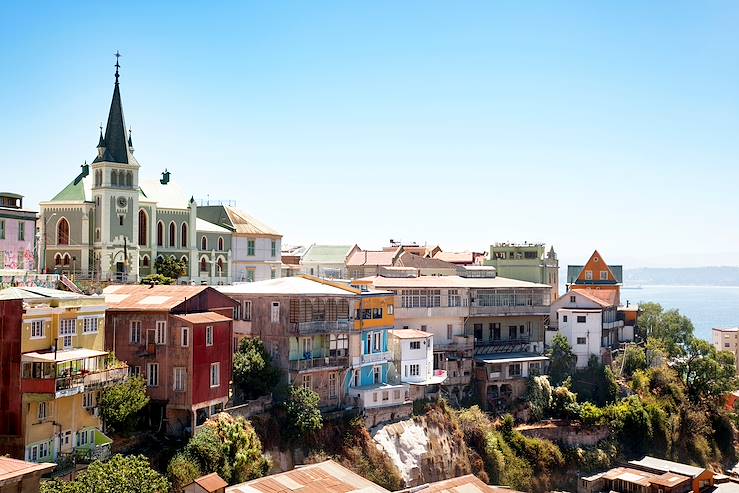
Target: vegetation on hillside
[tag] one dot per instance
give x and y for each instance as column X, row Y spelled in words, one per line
column 253, row 372
column 120, row 405
column 121, row 474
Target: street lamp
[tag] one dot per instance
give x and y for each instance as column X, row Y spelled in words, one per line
column 46, row 222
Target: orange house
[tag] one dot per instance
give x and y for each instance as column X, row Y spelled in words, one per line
column 596, row 274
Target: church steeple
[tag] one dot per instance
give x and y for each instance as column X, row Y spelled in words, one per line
column 115, row 142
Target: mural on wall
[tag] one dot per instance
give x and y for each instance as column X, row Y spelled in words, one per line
column 29, row 280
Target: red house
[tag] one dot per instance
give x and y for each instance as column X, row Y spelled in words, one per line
column 180, row 340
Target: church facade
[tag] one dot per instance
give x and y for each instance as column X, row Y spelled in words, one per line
column 108, row 224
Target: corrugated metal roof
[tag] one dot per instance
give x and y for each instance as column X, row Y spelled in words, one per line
column 334, row 254
column 202, row 318
column 138, row 297
column 664, row 465
column 13, row 468
column 449, row 282
column 410, row 334
column 211, row 482
column 463, row 484
column 297, row 285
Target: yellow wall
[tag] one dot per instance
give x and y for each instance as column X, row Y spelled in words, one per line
column 52, row 317
column 68, row 412
column 370, row 302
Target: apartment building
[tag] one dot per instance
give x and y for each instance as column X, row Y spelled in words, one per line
column 53, row 366
column 17, row 234
column 469, row 316
column 726, row 339
column 180, row 340
column 327, row 261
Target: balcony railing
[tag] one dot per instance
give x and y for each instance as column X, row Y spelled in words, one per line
column 324, row 326
column 613, row 325
column 74, row 384
column 375, row 357
column 323, row 362
column 105, row 378
column 478, row 310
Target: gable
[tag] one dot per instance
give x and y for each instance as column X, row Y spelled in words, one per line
column 595, row 271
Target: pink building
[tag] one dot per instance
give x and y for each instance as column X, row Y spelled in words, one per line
column 17, row 233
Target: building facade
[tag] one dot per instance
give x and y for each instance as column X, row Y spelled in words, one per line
column 256, row 247
column 180, row 340
column 526, row 262
column 327, row 261
column 107, row 224
column 726, row 339
column 17, row 234
column 53, row 366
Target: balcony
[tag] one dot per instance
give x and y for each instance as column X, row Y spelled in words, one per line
column 322, row 362
column 617, row 324
column 510, row 310
column 324, row 326
column 376, row 357
column 458, row 343
column 105, row 378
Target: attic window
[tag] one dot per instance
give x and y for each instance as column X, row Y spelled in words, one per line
column 595, row 259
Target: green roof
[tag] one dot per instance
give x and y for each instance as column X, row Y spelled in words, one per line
column 74, row 191
column 335, row 254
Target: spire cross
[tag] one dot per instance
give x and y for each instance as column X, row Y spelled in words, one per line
column 117, row 65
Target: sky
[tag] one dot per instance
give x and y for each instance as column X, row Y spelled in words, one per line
column 580, row 124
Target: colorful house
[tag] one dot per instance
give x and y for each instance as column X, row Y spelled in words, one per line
column 596, row 274
column 180, row 340
column 17, row 234
column 526, row 262
column 53, row 366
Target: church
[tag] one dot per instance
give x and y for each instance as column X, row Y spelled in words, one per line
column 107, row 224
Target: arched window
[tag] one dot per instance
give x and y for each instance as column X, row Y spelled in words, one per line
column 219, row 267
column 129, row 179
column 203, row 243
column 145, row 261
column 160, row 233
column 67, row 259
column 203, row 265
column 58, row 259
column 183, row 235
column 98, row 178
column 183, row 261
column 62, row 232
column 172, row 234
column 143, row 225
column 114, row 178
column 220, row 243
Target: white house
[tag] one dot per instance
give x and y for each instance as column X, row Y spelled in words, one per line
column 413, row 353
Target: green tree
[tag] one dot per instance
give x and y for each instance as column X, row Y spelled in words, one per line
column 121, row 474
column 564, row 403
column 634, row 358
column 595, row 383
column 169, row 267
column 120, row 404
column 226, row 445
column 706, row 372
column 303, row 415
column 672, row 328
column 253, row 373
column 538, row 395
column 562, row 360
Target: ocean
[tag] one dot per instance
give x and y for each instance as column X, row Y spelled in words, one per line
column 706, row 306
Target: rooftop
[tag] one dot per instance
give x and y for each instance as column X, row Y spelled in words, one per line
column 140, row 297
column 366, row 257
column 332, row 254
column 37, row 293
column 202, row 318
column 211, row 482
column 297, row 285
column 61, row 356
column 663, row 465
column 204, row 226
column 324, row 477
column 463, row 484
column 410, row 334
column 14, row 468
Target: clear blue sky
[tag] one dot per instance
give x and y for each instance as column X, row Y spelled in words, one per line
column 581, row 124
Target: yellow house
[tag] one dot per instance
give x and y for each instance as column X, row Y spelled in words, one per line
column 62, row 368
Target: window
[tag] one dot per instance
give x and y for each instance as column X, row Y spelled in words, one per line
column 272, row 273
column 143, row 222
column 90, row 325
column 21, row 231
column 220, row 244
column 183, row 235
column 604, row 275
column 275, row 314
column 581, row 340
column 2, row 229
column 249, row 275
column 588, row 275
column 62, row 232
column 88, row 400
column 152, row 374
column 385, row 395
column 67, row 259
column 37, row 329
column 449, row 332
column 514, row 370
column 83, row 438
column 219, row 267
column 390, row 309
column 134, row 371
column 572, row 299
column 180, row 377
column 215, row 374
column 39, row 452
column 307, row 382
column 726, row 344
column 415, row 344
column 564, row 318
column 246, row 311
column 453, row 298
column 581, row 319
column 377, row 341
column 415, row 370
column 376, row 374
column 209, row 335
column 203, row 265
column 160, row 233
column 273, row 248
column 203, row 243
column 172, row 234
column 377, row 313
column 331, row 385
column 120, row 220
column 420, row 298
column 135, row 332
column 43, row 411
column 250, row 247
column 68, row 327
column 160, row 334
column 185, row 336
column 374, row 396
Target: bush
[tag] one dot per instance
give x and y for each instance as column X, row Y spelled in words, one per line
column 539, row 396
column 182, row 470
column 634, row 358
column 564, row 404
column 121, row 403
column 130, row 474
column 590, row 414
column 157, row 279
column 253, row 372
column 302, row 413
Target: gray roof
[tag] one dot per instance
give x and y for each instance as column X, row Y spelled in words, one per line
column 117, row 149
column 663, row 465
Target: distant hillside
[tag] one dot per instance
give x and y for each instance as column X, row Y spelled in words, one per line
column 698, row 276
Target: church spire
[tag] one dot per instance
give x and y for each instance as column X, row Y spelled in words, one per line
column 115, row 142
